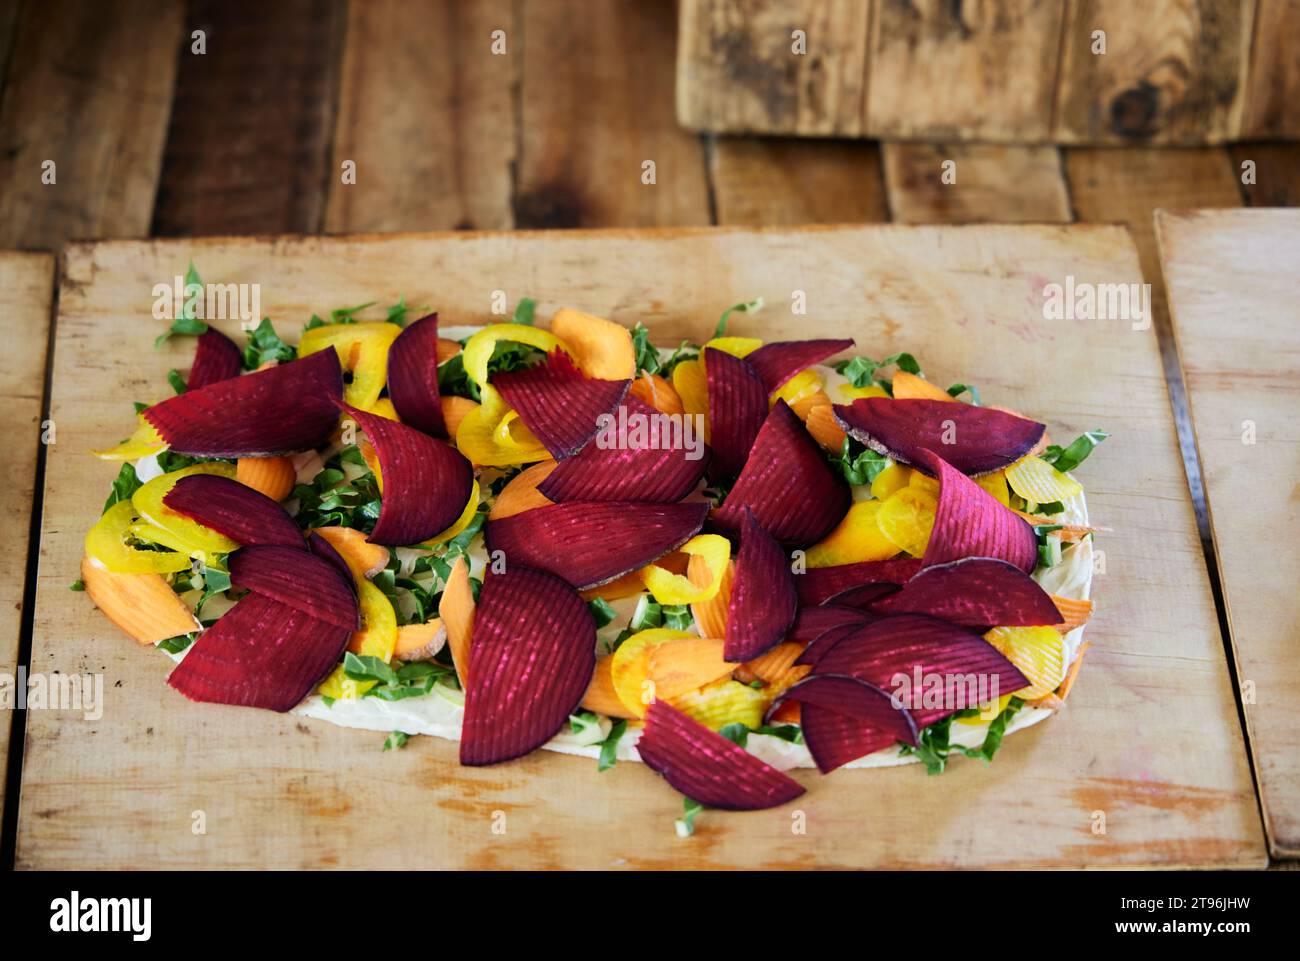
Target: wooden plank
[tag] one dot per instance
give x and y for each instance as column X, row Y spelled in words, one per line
column 1273, row 95
column 94, row 95
column 1232, row 291
column 739, row 68
column 9, row 13
column 1150, row 737
column 1174, row 71
column 248, row 143
column 591, row 122
column 26, row 290
column 958, row 71
column 426, row 114
column 1001, row 184
column 1277, row 173
column 777, row 182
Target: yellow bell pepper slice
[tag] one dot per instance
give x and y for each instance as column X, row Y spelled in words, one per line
column 906, row 517
column 669, row 588
column 850, row 394
column 802, row 385
column 142, row 530
column 892, row 478
column 340, row 687
column 1040, row 654
column 145, row 441
column 692, row 386
column 857, row 537
column 106, row 544
column 987, row 712
column 195, row 538
column 995, row 484
column 384, row 407
column 1038, row 481
column 377, row 638
column 479, row 348
column 629, row 669
column 362, row 350
column 735, row 346
column 462, row 522
column 724, row 702
column 478, row 435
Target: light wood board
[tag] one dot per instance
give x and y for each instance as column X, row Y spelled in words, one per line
column 26, row 289
column 1150, row 740
column 1232, row 283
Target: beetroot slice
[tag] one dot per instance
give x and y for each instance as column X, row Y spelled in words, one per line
column 589, row 544
column 299, row 580
column 427, row 482
column 975, row 440
column 216, row 358
column 778, row 362
column 811, row 623
column 233, row 509
column 558, row 404
column 864, row 596
column 855, row 697
column 969, row 522
column 413, row 377
column 531, row 662
column 737, row 409
column 976, row 592
column 824, row 641
column 328, row 553
column 625, row 472
column 260, row 653
column 762, row 605
column 891, row 652
column 280, row 410
column 708, row 768
column 818, row 585
column 787, row 483
column 834, row 739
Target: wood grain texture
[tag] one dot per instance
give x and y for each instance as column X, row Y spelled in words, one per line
column 1000, row 184
column 1150, row 736
column 1232, row 291
column 94, row 97
column 738, row 69
column 1174, row 71
column 248, row 142
column 597, row 105
column 26, row 292
column 1273, row 94
column 962, row 71
column 427, row 114
column 1277, row 173
column 777, row 182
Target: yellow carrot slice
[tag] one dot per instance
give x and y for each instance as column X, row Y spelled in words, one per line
column 1039, row 652
column 996, row 484
column 857, row 537
column 802, row 385
column 272, row 476
column 677, row 667
column 892, row 478
column 1036, row 480
column 909, row 386
column 142, row 605
column 724, row 702
column 735, row 346
column 670, row 588
column 906, row 517
column 630, row 668
column 456, row 608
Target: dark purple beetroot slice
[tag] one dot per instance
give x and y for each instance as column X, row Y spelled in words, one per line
column 969, row 522
column 280, row 410
column 561, row 406
column 327, row 552
column 589, row 544
column 834, row 739
column 233, row 509
column 811, row 623
column 778, row 362
column 298, row 579
column 976, row 592
column 707, row 767
column 427, row 482
column 531, row 662
column 413, row 377
column 787, row 483
column 893, row 652
column 216, row 358
column 762, row 605
column 855, row 697
column 817, row 585
column 260, row 653
column 635, row 469
column 737, row 409
column 864, row 595
column 824, row 641
column 975, row 440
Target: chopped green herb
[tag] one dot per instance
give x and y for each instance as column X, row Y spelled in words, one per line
column 1068, row 458
column 264, row 345
column 187, row 323
column 748, row 307
column 861, row 371
column 956, row 390
column 77, row 585
column 177, row 381
column 736, row 732
column 609, row 746
column 524, row 311
column 396, row 740
column 685, row 825
column 124, row 485
column 678, row 617
column 601, row 611
column 858, row 464
column 648, row 614
column 174, row 645
column 786, row 732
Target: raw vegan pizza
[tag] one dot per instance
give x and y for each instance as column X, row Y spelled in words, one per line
column 725, row 560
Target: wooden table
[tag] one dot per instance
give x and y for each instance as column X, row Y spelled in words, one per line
column 1234, row 291
column 1149, row 746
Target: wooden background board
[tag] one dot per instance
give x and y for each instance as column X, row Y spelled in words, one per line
column 1232, row 278
column 1024, row 71
column 26, row 289
column 1150, row 740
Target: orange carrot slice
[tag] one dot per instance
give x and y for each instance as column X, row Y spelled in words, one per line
column 629, row 585
column 657, row 392
column 521, row 494
column 711, row 615
column 600, row 347
column 142, row 605
column 1064, row 690
column 909, row 386
column 272, row 476
column 457, row 612
column 1075, row 612
column 803, row 405
column 677, row 667
column 601, row 696
column 454, row 410
column 419, row 642
column 363, row 558
column 777, row 668
column 822, row 425
column 787, row 712
column 447, row 349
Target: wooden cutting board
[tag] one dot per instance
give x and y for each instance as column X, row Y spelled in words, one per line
column 1235, row 301
column 1146, row 766
column 26, row 289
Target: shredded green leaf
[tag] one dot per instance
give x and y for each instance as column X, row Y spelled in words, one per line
column 858, row 464
column 396, row 740
column 187, row 323
column 264, row 344
column 749, row 307
column 1068, row 458
column 609, row 746
column 685, row 825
